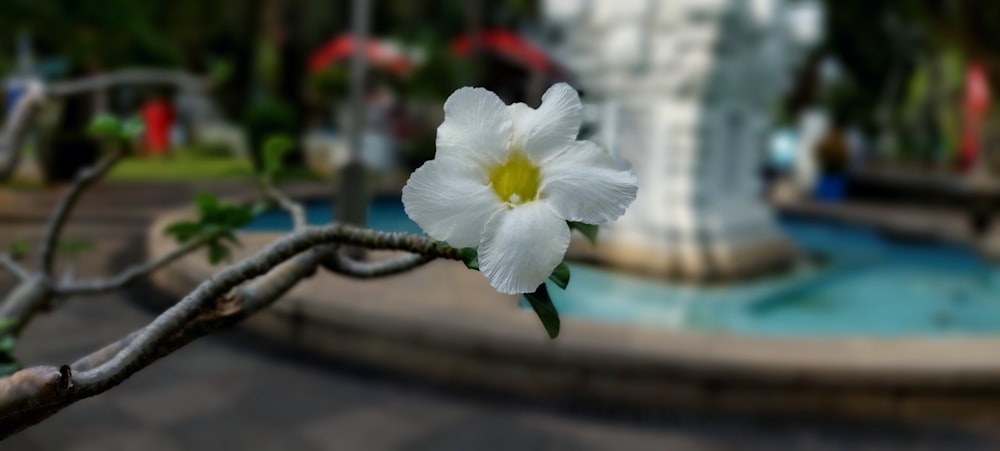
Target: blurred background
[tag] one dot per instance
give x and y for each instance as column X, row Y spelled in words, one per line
column 810, row 171
column 900, row 85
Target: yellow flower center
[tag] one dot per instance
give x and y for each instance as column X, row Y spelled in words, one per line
column 516, row 180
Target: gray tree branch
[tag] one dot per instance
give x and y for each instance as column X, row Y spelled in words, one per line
column 341, row 263
column 101, row 82
column 23, row 302
column 84, row 179
column 16, row 127
column 130, row 274
column 295, row 209
column 214, row 304
column 8, row 263
column 21, row 118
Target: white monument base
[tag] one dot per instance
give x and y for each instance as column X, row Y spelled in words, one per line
column 685, row 91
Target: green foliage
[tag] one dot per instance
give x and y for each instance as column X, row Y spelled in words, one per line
column 222, row 215
column 69, row 246
column 220, row 70
column 541, row 303
column 560, row 275
column 216, row 222
column 131, row 128
column 104, row 125
column 4, row 324
column 207, row 149
column 275, row 149
column 265, row 118
column 183, row 231
column 111, row 128
column 470, row 256
column 184, row 164
column 437, row 77
column 330, row 82
column 218, row 252
column 75, row 246
column 19, row 249
column 8, row 364
column 112, row 33
column 588, row 230
column 7, row 343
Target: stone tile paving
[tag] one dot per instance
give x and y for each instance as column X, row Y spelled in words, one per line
column 235, row 391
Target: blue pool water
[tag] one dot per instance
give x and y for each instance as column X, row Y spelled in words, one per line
column 385, row 214
column 868, row 285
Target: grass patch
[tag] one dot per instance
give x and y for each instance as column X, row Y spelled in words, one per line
column 20, row 183
column 190, row 164
column 181, row 166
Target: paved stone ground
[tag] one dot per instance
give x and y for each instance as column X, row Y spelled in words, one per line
column 235, row 391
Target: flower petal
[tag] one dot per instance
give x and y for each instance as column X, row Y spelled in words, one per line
column 449, row 204
column 476, row 127
column 586, row 184
column 521, row 246
column 545, row 132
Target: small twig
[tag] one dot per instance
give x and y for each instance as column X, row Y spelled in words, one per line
column 295, row 209
column 84, row 179
column 343, row 264
column 17, row 125
column 130, row 274
column 24, row 301
column 129, row 77
column 8, row 263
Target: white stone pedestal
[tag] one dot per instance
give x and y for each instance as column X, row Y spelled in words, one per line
column 685, row 90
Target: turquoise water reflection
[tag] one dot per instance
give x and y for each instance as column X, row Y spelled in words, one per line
column 870, row 285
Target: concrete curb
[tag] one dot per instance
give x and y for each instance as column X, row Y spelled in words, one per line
column 445, row 324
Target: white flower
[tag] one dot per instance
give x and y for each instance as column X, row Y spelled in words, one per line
column 506, row 179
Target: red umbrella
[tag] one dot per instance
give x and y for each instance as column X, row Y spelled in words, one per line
column 509, row 45
column 379, row 53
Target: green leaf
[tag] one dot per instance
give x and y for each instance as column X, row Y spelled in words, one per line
column 218, row 252
column 207, row 203
column 104, row 126
column 235, row 216
column 219, row 70
column 588, row 230
column 560, row 275
column 75, row 246
column 470, row 257
column 182, row 231
column 131, row 128
column 6, row 323
column 231, row 237
column 7, row 342
column 275, row 149
column 546, row 311
column 19, row 248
